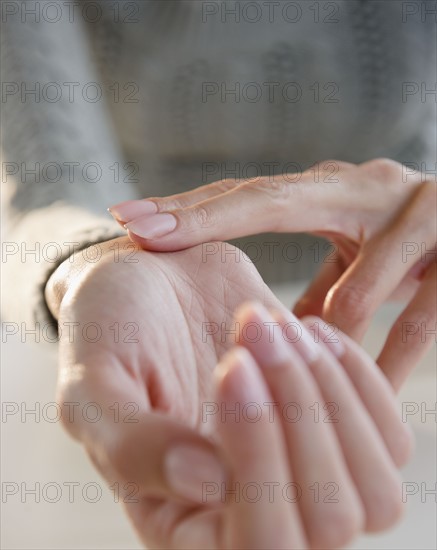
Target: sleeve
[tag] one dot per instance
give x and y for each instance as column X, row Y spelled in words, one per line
column 61, row 161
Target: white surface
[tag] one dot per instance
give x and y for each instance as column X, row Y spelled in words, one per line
column 40, row 451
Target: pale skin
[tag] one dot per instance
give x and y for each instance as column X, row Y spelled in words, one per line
column 168, row 369
column 380, row 215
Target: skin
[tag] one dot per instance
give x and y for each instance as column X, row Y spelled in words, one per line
column 380, row 216
column 169, row 369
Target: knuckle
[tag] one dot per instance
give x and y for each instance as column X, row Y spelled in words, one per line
column 203, row 217
column 174, row 202
column 348, row 303
column 276, row 189
column 178, row 203
column 383, row 168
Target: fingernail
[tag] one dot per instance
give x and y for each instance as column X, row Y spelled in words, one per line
column 151, row 227
column 296, row 334
column 129, row 210
column 239, row 381
column 194, row 473
column 236, row 375
column 262, row 335
column 327, row 334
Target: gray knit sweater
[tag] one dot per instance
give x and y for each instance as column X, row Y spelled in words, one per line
column 108, row 101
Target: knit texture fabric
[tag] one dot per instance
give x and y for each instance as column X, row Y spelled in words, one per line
column 192, row 92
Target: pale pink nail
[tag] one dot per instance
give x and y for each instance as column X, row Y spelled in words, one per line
column 154, row 226
column 194, row 473
column 129, row 210
column 238, row 368
column 296, row 334
column 262, row 335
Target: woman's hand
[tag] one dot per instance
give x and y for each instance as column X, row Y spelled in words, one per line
column 309, row 427
column 139, row 339
column 380, row 217
column 141, row 334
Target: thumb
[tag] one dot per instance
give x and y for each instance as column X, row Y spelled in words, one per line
column 147, row 452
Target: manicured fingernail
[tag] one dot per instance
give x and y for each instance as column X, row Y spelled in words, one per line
column 151, row 227
column 236, row 374
column 326, row 333
column 296, row 333
column 194, row 473
column 262, row 335
column 129, row 210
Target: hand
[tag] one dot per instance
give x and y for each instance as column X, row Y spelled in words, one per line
column 135, row 339
column 380, row 217
column 157, row 368
column 353, row 459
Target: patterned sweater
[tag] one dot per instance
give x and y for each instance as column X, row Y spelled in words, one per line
column 113, row 100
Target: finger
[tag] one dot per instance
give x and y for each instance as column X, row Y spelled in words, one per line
column 127, row 211
column 167, row 524
column 372, row 387
column 201, row 530
column 311, row 303
column 257, row 457
column 381, row 266
column 315, row 456
column 147, row 452
column 413, row 332
column 250, row 208
column 368, row 460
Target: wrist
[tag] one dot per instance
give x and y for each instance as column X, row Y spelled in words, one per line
column 73, row 269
